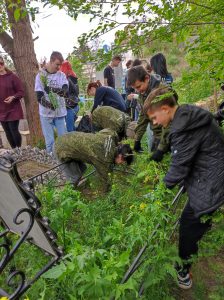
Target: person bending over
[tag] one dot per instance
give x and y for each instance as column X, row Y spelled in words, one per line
column 105, row 96
column 112, row 118
column 144, row 83
column 101, row 150
column 197, row 162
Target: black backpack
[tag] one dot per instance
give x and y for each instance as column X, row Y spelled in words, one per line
column 85, row 125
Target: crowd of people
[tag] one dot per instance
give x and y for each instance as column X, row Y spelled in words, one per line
column 191, row 134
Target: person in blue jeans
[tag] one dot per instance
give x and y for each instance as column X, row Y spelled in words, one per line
column 73, row 95
column 51, row 87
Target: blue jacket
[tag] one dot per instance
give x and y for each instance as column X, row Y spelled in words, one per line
column 107, row 96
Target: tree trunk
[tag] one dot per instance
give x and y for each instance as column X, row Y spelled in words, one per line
column 21, row 50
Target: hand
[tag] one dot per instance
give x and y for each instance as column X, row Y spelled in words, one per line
column 130, row 97
column 170, row 187
column 157, row 156
column 9, row 99
column 58, row 91
column 137, row 147
column 47, row 89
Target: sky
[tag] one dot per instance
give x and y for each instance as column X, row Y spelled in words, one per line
column 59, row 32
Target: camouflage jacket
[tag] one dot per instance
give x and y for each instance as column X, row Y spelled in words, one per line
column 143, row 120
column 112, row 118
column 97, row 149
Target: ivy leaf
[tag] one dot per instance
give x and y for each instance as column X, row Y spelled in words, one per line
column 55, row 272
column 17, row 14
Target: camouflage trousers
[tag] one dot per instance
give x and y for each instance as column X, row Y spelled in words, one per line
column 72, row 169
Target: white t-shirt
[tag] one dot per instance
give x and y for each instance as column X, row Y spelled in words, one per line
column 55, row 80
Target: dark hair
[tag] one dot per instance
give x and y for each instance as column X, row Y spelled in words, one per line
column 158, row 64
column 142, row 62
column 117, row 57
column 137, row 62
column 153, row 100
column 56, row 55
column 95, row 84
column 129, row 63
column 127, row 153
column 136, row 73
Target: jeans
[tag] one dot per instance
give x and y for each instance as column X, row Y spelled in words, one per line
column 190, row 232
column 48, row 125
column 71, row 118
column 13, row 135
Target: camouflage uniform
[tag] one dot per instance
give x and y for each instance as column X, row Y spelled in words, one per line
column 143, row 119
column 78, row 148
column 109, row 117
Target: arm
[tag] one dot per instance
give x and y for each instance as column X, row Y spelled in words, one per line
column 164, row 140
column 105, row 82
column 141, row 126
column 100, row 93
column 40, row 92
column 104, row 170
column 42, row 100
column 184, row 150
column 18, row 88
column 62, row 92
column 105, row 75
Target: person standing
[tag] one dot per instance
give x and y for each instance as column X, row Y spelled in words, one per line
column 109, row 79
column 51, row 87
column 11, row 91
column 73, row 95
column 159, row 66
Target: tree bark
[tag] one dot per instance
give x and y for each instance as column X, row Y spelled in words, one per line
column 21, row 49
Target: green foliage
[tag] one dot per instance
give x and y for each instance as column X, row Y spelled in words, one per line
column 191, row 88
column 198, row 25
column 99, row 249
column 78, row 67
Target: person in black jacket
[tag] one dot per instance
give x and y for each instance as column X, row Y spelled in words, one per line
column 197, row 146
column 72, row 98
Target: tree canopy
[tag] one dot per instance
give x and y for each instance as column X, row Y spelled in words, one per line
column 199, row 24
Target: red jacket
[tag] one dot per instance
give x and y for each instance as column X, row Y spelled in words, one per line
column 10, row 85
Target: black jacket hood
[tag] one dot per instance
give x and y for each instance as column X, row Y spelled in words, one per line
column 188, row 117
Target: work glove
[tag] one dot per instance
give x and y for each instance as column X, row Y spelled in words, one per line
column 58, row 91
column 170, row 187
column 157, row 155
column 137, row 147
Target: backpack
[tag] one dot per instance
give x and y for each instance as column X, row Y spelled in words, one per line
column 85, row 125
column 73, row 99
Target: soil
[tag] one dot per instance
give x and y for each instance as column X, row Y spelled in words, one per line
column 208, row 278
column 30, row 168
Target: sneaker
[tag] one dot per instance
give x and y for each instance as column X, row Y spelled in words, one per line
column 184, row 279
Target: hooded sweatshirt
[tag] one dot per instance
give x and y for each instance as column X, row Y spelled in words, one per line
column 10, row 85
column 197, row 150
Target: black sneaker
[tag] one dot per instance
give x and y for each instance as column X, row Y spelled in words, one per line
column 184, row 279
